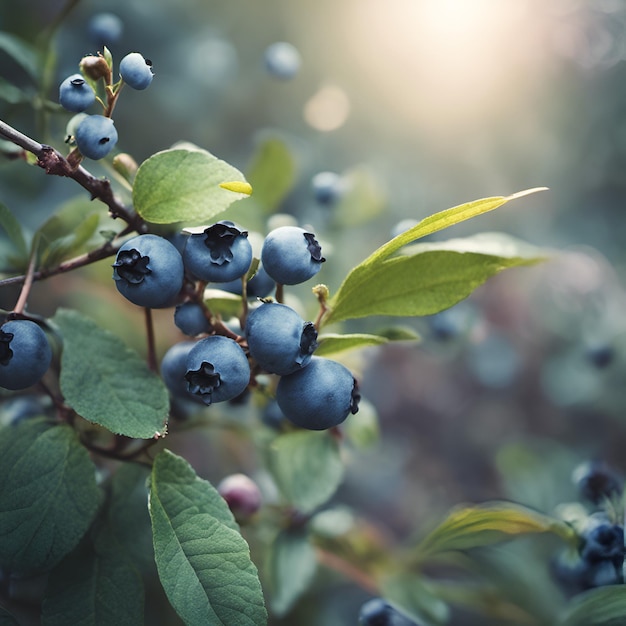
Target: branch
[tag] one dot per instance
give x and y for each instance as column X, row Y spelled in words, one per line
column 55, row 164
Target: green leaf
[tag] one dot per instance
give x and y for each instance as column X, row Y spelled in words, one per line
column 106, row 382
column 222, row 303
column 272, row 173
column 23, row 53
column 48, row 494
column 428, row 279
column 202, row 559
column 96, row 585
column 413, row 596
column 12, row 94
column 183, row 185
column 604, row 606
column 482, row 525
column 307, row 467
column 331, row 343
column 13, row 229
column 292, row 565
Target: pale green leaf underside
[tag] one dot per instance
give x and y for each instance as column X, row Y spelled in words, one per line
column 183, row 185
column 351, row 299
column 332, row 343
column 601, row 606
column 307, row 467
column 13, row 229
column 202, row 559
column 106, row 382
column 48, row 494
column 483, row 525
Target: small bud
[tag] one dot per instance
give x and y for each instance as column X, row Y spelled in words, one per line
column 95, row 67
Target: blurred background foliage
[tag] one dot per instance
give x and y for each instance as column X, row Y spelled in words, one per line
column 426, row 104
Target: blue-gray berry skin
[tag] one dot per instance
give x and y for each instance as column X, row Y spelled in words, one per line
column 291, row 255
column 75, row 94
column 95, row 136
column 25, row 354
column 219, row 254
column 174, row 368
column 190, row 318
column 105, row 28
column 326, row 188
column 378, row 612
column 318, row 396
column 282, row 60
column 279, row 340
column 148, row 271
column 136, row 71
column 217, row 369
column 260, row 285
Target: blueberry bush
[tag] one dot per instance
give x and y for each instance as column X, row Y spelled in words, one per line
column 216, row 317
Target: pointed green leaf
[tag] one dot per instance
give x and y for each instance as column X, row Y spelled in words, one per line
column 106, row 382
column 12, row 94
column 604, row 606
column 96, row 585
column 292, row 566
column 202, row 559
column 428, row 278
column 471, row 527
column 23, row 53
column 183, row 185
column 48, row 494
column 331, row 343
column 13, row 229
column 307, row 467
column 272, row 173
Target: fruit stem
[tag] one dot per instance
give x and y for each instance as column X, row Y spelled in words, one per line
column 20, row 305
column 280, row 293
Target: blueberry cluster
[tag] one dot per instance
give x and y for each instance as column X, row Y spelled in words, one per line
column 218, row 364
column 378, row 612
column 95, row 135
column 599, row 557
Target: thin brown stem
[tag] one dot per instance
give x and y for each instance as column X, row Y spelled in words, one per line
column 20, row 305
column 338, row 564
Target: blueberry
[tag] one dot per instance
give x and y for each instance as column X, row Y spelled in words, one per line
column 260, row 285
column 272, row 416
column 282, row 60
column 136, row 71
column 95, row 136
column 174, row 368
column 25, row 354
column 148, row 271
column 75, row 94
column 603, row 542
column 318, row 396
column 378, row 612
column 217, row 369
column 219, row 254
column 601, row 355
column 596, row 481
column 242, row 495
column 190, row 318
column 280, row 341
column 326, row 187
column 291, row 255
column 105, row 28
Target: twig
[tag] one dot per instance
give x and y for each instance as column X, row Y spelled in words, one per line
column 55, row 164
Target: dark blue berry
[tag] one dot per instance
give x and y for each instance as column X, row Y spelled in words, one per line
column 75, row 94
column 280, row 341
column 25, row 354
column 136, row 71
column 596, row 481
column 326, row 187
column 190, row 318
column 96, row 136
column 148, row 271
column 378, row 612
column 318, row 396
column 105, row 28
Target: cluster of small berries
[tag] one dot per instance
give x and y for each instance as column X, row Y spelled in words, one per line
column 95, row 135
column 599, row 557
column 150, row 271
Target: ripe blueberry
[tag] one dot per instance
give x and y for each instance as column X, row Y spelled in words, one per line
column 318, row 396
column 242, row 495
column 217, row 369
column 291, row 255
column 174, row 368
column 282, row 60
column 148, row 271
column 280, row 341
column 603, row 542
column 378, row 612
column 25, row 354
column 75, row 94
column 190, row 318
column 596, row 481
column 219, row 254
column 326, row 187
column 136, row 71
column 105, row 28
column 95, row 136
